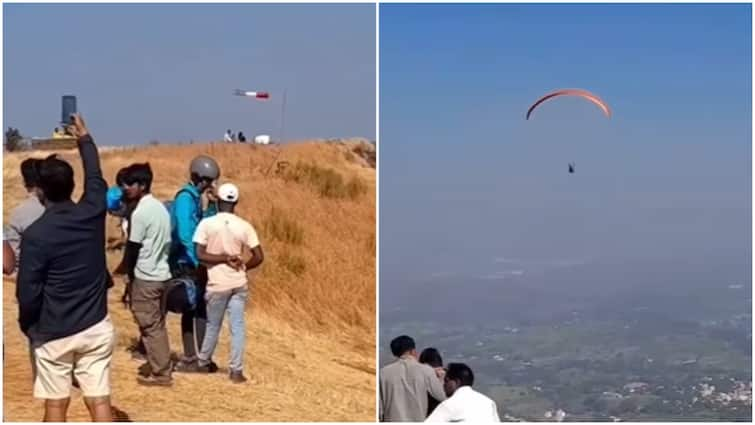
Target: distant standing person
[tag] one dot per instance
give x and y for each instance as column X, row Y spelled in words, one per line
column 220, row 241
column 120, row 206
column 463, row 404
column 62, row 286
column 146, row 262
column 28, row 211
column 405, row 385
column 431, row 357
column 242, row 138
column 186, row 213
column 228, row 137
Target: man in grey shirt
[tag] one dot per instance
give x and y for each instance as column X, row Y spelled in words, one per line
column 28, row 211
column 406, row 383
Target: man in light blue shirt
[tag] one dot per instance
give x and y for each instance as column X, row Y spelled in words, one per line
column 146, row 262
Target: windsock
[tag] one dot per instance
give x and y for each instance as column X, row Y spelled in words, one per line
column 255, row 94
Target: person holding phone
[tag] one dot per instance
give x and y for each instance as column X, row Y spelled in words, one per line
column 62, row 286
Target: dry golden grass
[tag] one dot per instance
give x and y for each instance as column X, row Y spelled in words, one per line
column 311, row 320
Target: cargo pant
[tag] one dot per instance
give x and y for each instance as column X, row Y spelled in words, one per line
column 146, row 304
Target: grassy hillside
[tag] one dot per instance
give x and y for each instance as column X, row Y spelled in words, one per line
column 311, row 319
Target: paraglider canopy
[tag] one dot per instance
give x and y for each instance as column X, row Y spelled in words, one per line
column 572, row 92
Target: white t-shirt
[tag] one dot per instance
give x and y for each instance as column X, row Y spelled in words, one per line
column 466, row 405
column 225, row 234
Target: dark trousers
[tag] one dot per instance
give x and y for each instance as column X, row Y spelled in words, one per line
column 146, row 303
column 193, row 328
column 194, row 322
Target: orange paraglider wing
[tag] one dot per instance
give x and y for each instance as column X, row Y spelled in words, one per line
column 573, row 92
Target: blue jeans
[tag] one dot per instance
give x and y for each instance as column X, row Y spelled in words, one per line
column 234, row 301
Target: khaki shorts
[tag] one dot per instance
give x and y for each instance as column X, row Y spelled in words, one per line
column 87, row 355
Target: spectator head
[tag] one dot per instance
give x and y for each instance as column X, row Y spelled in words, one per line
column 457, row 375
column 29, row 173
column 54, row 179
column 403, row 345
column 228, row 196
column 119, row 178
column 137, row 181
column 204, row 171
column 431, row 357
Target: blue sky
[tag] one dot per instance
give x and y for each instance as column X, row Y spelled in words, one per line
column 465, row 181
column 167, row 71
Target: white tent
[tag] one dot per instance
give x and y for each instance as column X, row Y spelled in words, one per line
column 262, row 139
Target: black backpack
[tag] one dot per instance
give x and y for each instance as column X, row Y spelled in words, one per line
column 180, row 295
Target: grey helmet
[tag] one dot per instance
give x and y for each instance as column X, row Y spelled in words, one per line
column 204, row 167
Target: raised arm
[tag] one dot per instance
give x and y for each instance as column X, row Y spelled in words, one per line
column 95, row 187
column 435, row 386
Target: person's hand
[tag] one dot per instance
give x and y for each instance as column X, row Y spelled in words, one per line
column 440, row 373
column 212, row 195
column 236, row 262
column 77, row 128
column 209, row 197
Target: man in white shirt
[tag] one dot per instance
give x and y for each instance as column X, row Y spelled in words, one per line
column 220, row 241
column 228, row 137
column 463, row 403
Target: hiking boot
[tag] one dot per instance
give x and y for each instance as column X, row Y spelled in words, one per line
column 154, row 381
column 237, row 377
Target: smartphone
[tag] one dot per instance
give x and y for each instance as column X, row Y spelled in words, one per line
column 68, row 109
